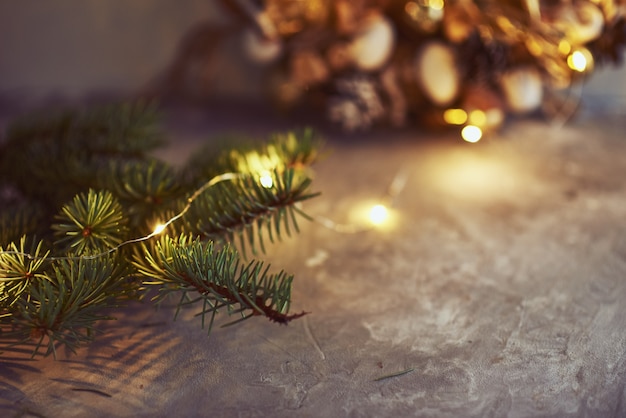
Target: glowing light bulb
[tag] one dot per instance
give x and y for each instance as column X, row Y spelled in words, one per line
column 577, row 61
column 455, row 116
column 436, row 4
column 266, row 180
column 378, row 214
column 158, row 229
column 471, row 133
column 565, row 47
column 477, row 117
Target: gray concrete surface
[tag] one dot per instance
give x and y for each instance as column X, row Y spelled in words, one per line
column 501, row 284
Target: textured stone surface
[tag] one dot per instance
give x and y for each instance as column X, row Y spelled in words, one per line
column 501, row 284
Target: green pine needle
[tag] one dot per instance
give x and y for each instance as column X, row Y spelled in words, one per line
column 396, row 374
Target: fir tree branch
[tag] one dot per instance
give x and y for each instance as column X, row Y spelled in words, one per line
column 128, row 130
column 217, row 275
column 246, row 209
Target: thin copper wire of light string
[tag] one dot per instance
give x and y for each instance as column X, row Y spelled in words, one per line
column 388, row 200
column 395, row 188
column 215, row 180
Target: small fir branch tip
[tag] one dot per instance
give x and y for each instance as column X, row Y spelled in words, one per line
column 93, row 221
column 218, row 277
column 293, row 149
column 18, row 271
column 296, row 149
column 64, row 308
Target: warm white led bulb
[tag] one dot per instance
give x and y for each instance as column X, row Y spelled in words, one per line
column 471, row 133
column 158, row 229
column 266, row 180
column 577, row 61
column 378, row 214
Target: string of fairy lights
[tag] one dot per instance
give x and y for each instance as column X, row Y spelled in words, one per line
column 378, row 214
column 159, row 227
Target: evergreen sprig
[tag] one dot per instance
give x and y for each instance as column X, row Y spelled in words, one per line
column 190, row 265
column 80, row 196
column 64, row 308
column 17, row 271
column 91, row 222
column 246, row 209
column 296, row 149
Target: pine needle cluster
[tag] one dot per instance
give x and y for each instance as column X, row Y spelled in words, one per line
column 80, row 196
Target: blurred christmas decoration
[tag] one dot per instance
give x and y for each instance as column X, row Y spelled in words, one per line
column 400, row 62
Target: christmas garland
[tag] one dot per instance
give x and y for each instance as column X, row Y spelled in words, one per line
column 433, row 62
column 89, row 220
